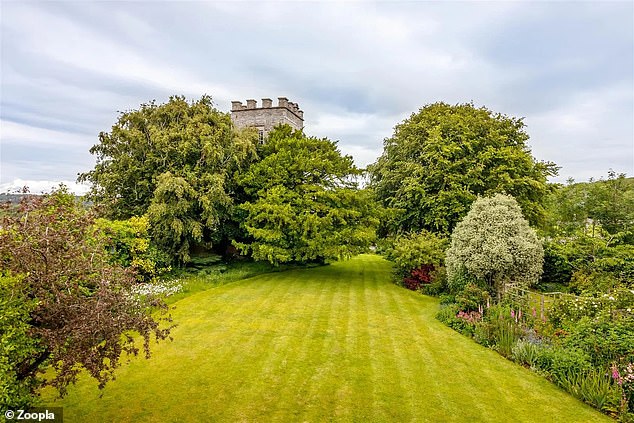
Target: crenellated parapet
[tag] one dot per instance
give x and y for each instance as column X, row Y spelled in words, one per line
column 267, row 116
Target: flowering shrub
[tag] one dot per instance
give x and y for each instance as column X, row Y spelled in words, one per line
column 471, row 317
column 604, row 338
column 624, row 377
column 158, row 288
column 568, row 309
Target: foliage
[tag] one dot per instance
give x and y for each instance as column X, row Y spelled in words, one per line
column 412, row 251
column 175, row 217
column 592, row 386
column 129, row 245
column 419, row 277
column 501, row 329
column 494, row 243
column 305, row 205
column 560, row 362
column 588, row 264
column 623, row 375
column 472, row 298
column 526, row 352
column 570, row 309
column 175, row 161
column 418, row 259
column 80, row 311
column 448, row 314
column 605, row 204
column 604, row 338
column 16, row 343
column 437, row 284
column 443, row 157
column 460, row 279
column 557, row 267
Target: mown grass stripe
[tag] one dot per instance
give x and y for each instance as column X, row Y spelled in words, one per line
column 335, row 343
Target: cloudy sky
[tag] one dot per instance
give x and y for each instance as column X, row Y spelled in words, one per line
column 355, row 68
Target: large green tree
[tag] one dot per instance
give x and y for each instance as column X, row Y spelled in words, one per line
column 305, row 205
column 179, row 158
column 442, row 157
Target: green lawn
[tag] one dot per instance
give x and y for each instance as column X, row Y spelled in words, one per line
column 334, row 343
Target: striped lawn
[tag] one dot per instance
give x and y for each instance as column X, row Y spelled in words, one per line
column 334, row 343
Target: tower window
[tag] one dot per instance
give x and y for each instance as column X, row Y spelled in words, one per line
column 261, row 136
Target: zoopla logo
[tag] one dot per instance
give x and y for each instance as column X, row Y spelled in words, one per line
column 30, row 416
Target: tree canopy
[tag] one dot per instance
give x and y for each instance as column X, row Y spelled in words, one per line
column 177, row 161
column 495, row 245
column 305, row 205
column 442, row 157
column 608, row 203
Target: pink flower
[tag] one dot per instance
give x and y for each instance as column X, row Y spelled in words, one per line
column 512, row 313
column 616, row 376
column 534, row 312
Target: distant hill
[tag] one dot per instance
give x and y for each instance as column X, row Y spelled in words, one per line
column 12, row 198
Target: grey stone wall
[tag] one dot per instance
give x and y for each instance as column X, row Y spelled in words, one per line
column 266, row 117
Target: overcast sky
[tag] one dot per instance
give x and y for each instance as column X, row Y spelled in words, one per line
column 356, row 69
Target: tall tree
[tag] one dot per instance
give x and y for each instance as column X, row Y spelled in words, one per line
column 153, row 153
column 305, row 205
column 442, row 157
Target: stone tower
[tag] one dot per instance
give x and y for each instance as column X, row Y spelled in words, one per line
column 266, row 117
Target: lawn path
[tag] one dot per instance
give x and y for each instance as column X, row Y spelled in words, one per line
column 333, row 343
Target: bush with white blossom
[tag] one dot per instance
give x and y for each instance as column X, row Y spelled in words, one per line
column 158, row 287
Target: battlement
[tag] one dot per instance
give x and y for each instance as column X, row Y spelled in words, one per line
column 264, row 118
column 267, row 103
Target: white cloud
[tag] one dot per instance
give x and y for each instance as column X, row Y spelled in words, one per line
column 42, row 187
column 29, row 136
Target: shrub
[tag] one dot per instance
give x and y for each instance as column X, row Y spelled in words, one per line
column 472, row 297
column 494, row 243
column 419, row 277
column 417, row 257
column 625, row 378
column 129, row 245
column 75, row 302
column 449, row 315
column 604, row 339
column 438, row 283
column 17, row 345
column 559, row 362
column 525, row 352
column 460, row 279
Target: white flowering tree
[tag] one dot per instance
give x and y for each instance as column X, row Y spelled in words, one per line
column 495, row 244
